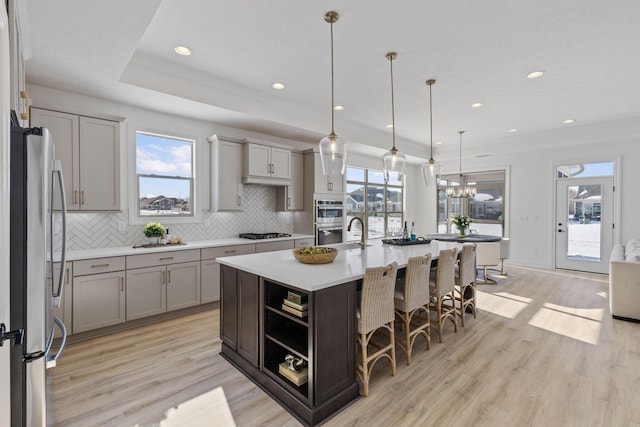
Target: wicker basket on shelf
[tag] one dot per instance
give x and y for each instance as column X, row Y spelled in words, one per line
column 321, row 258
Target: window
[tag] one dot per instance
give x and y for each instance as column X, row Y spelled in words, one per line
column 486, row 208
column 164, row 172
column 378, row 204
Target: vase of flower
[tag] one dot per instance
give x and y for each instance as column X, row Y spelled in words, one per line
column 461, row 223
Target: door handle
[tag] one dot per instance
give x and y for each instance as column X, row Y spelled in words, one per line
column 16, row 335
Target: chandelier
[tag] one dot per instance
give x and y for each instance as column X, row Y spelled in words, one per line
column 461, row 191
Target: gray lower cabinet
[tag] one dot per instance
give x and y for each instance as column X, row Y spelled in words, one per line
column 99, row 291
column 183, row 285
column 98, row 301
column 210, row 269
column 161, row 282
column 146, row 292
column 66, row 303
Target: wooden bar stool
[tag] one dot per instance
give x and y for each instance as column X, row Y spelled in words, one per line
column 466, row 281
column 411, row 302
column 376, row 312
column 441, row 285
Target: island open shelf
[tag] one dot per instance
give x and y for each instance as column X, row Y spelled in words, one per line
column 324, row 339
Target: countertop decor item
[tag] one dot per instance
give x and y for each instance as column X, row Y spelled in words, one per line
column 153, row 229
column 315, row 255
column 461, row 222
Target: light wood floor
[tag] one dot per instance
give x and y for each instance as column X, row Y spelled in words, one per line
column 544, row 351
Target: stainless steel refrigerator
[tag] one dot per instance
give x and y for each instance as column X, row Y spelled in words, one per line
column 36, row 181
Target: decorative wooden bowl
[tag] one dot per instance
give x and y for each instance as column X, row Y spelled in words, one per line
column 323, row 258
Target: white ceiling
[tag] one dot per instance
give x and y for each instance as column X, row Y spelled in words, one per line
column 122, row 50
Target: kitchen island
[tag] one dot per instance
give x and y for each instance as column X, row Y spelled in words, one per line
column 257, row 334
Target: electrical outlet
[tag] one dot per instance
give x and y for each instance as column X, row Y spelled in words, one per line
column 122, row 226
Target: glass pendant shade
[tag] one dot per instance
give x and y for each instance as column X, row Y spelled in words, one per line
column 333, row 149
column 393, row 163
column 333, row 154
column 431, row 169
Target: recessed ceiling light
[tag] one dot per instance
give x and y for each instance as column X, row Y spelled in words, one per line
column 338, row 108
column 182, row 50
column 535, row 74
column 477, row 105
column 513, row 130
column 278, row 85
column 389, row 126
column 438, row 142
column 568, row 121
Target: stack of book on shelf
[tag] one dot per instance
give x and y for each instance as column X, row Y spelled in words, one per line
column 296, row 304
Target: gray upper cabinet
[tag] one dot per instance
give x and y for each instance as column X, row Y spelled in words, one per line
column 226, row 176
column 89, row 151
column 264, row 164
column 290, row 197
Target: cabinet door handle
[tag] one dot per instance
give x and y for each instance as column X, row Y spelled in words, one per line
column 239, row 201
column 24, row 95
column 169, row 276
column 164, row 278
column 66, row 279
column 230, row 251
column 75, row 197
column 166, row 258
column 122, row 284
column 100, row 265
column 288, row 202
column 82, row 197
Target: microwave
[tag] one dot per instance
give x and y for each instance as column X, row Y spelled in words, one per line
column 329, row 211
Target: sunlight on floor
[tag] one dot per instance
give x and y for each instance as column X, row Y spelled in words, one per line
column 210, row 408
column 501, row 303
column 582, row 324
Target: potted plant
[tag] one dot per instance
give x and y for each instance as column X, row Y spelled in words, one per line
column 153, row 231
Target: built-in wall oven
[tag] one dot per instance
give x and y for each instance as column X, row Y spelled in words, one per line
column 329, row 221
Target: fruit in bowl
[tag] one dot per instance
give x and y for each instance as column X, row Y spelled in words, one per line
column 315, row 254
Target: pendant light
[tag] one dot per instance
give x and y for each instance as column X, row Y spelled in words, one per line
column 431, row 169
column 393, row 161
column 333, row 149
column 460, row 191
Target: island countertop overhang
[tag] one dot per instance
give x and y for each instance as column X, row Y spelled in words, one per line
column 350, row 264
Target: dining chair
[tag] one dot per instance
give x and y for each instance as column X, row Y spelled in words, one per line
column 465, row 290
column 411, row 302
column 376, row 312
column 441, row 288
column 487, row 255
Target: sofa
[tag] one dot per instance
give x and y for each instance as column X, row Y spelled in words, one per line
column 624, row 281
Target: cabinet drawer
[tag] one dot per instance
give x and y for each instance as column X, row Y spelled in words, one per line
column 98, row 265
column 160, row 258
column 213, row 253
column 274, row 246
column 304, row 243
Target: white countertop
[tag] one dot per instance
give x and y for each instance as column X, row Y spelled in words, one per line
column 129, row 250
column 350, row 264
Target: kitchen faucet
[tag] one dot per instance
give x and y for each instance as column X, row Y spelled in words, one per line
column 362, row 227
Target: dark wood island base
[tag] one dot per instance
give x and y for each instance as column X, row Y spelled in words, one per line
column 257, row 335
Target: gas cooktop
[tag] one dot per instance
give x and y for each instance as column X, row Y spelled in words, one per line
column 260, row 236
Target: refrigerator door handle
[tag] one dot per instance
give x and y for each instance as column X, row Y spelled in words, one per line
column 57, row 293
column 51, row 360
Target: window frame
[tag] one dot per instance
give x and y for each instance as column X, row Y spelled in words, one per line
column 134, row 210
column 386, row 213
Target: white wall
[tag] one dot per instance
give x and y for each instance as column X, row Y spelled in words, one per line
column 532, row 186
